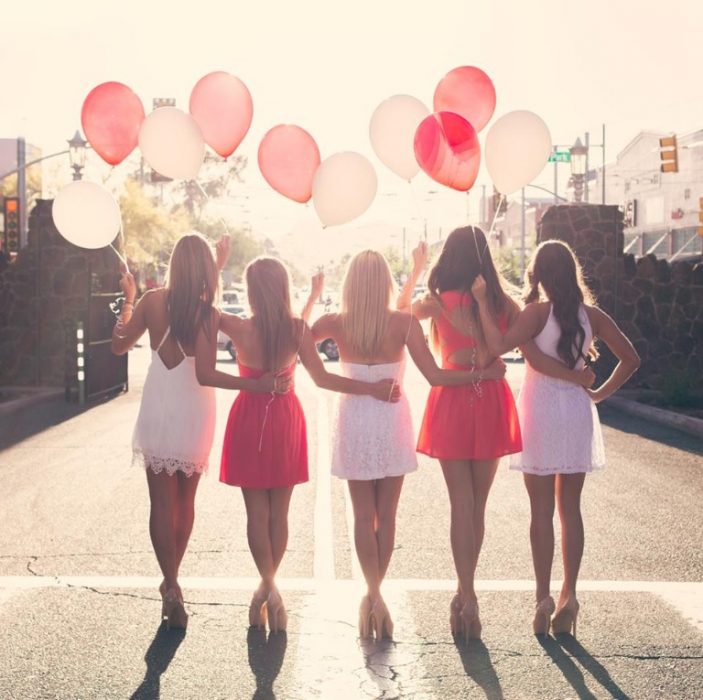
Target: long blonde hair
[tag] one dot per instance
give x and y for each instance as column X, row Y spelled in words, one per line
column 192, row 283
column 268, row 289
column 366, row 298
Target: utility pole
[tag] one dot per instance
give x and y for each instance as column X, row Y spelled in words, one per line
column 586, row 144
column 522, row 235
column 22, row 188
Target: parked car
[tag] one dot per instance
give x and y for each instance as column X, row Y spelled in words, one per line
column 224, row 342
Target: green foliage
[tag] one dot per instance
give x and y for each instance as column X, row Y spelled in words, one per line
column 507, row 262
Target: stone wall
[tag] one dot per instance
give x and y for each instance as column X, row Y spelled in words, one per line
column 43, row 295
column 657, row 304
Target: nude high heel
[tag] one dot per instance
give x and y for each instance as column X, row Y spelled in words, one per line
column 173, row 610
column 543, row 613
column 277, row 615
column 365, row 617
column 257, row 609
column 455, row 615
column 564, row 621
column 470, row 622
column 381, row 622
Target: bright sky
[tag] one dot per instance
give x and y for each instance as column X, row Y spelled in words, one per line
column 327, row 64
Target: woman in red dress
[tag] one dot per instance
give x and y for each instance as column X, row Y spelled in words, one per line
column 468, row 427
column 265, row 445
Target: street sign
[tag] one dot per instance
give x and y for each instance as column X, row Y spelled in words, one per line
column 560, row 157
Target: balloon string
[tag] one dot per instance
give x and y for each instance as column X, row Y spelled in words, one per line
column 207, row 199
column 122, row 259
column 495, row 216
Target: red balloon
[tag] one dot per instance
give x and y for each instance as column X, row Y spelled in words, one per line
column 111, row 116
column 288, row 159
column 469, row 92
column 222, row 106
column 447, row 149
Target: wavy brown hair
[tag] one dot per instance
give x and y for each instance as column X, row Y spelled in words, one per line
column 192, row 283
column 464, row 256
column 555, row 269
column 268, row 289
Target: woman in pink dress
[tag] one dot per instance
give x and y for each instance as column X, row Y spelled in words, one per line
column 265, row 444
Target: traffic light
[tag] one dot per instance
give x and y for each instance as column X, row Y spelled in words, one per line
column 11, row 210
column 700, row 216
column 669, row 154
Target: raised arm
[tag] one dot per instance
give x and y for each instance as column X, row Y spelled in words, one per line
column 208, row 375
column 420, row 256
column 316, row 286
column 425, row 362
column 384, row 390
column 131, row 323
column 607, row 330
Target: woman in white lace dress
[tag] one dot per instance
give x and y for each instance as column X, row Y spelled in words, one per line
column 373, row 443
column 175, row 428
column 561, row 433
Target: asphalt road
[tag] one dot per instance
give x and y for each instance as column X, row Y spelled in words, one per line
column 80, row 617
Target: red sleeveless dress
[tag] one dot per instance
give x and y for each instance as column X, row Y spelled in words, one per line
column 265, row 444
column 469, row 421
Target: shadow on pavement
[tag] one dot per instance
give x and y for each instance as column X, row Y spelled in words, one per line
column 565, row 662
column 650, row 430
column 158, row 657
column 265, row 659
column 477, row 662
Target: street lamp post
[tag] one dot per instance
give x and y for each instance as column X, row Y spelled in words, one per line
column 579, row 156
column 76, row 154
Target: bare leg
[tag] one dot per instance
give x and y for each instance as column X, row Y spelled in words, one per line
column 185, row 512
column 278, row 523
column 457, row 475
column 387, row 497
column 363, row 498
column 163, row 491
column 482, row 475
column 541, row 492
column 257, row 502
column 569, row 487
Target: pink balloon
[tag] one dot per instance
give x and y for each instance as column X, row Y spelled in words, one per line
column 111, row 116
column 222, row 106
column 288, row 159
column 469, row 92
column 447, row 149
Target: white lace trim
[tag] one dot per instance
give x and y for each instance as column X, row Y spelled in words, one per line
column 170, row 464
column 570, row 469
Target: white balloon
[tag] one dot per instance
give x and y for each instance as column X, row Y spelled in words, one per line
column 172, row 143
column 86, row 214
column 392, row 133
column 343, row 187
column 517, row 148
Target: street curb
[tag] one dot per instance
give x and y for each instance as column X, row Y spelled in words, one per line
column 687, row 424
column 36, row 396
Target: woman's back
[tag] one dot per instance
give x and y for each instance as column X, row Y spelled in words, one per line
column 548, row 338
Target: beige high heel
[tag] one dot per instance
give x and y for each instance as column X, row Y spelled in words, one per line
column 381, row 622
column 365, row 617
column 470, row 622
column 455, row 615
column 564, row 621
column 258, row 609
column 277, row 615
column 543, row 613
column 173, row 610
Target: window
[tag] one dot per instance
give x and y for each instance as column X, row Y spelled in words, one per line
column 687, row 193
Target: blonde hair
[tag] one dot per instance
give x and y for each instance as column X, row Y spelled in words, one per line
column 268, row 289
column 192, row 283
column 366, row 298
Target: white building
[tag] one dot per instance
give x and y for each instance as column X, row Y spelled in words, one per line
column 661, row 209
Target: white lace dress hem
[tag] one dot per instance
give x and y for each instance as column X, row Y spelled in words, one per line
column 550, row 471
column 169, row 464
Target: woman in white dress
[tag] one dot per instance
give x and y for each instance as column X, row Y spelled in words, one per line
column 561, row 433
column 373, row 443
column 175, row 428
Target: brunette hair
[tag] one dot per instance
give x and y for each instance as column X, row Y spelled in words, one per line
column 366, row 301
column 464, row 256
column 268, row 289
column 555, row 269
column 192, row 284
